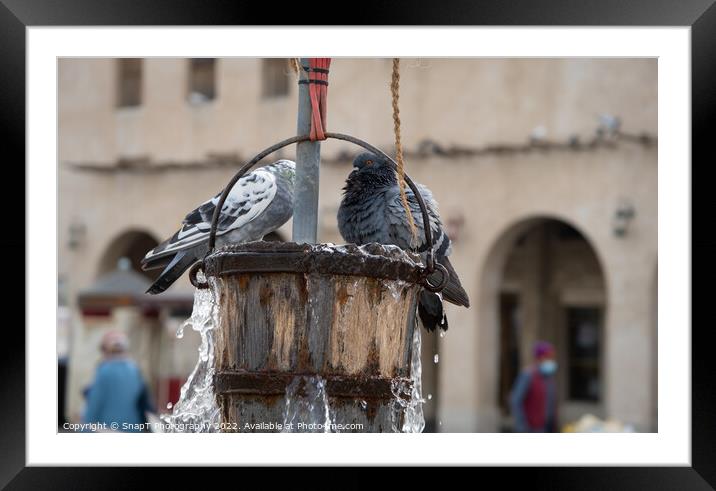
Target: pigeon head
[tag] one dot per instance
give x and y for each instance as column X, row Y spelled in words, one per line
column 286, row 169
column 370, row 162
column 369, row 168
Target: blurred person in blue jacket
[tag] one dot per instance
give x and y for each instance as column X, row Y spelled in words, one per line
column 118, row 396
column 533, row 399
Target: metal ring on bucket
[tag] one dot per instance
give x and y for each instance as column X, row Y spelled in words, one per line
column 444, row 278
column 194, row 280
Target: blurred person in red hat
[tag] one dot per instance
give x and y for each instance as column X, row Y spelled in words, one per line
column 533, row 399
column 118, row 398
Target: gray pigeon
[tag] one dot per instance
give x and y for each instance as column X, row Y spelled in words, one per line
column 371, row 211
column 259, row 203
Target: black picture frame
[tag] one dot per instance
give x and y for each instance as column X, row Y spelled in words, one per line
column 700, row 15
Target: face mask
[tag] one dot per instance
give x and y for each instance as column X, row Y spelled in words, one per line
column 548, row 367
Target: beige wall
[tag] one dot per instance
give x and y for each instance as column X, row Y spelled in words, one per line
column 465, row 102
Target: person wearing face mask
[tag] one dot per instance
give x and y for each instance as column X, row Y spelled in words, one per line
column 533, row 399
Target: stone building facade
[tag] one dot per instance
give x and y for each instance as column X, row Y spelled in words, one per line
column 550, row 199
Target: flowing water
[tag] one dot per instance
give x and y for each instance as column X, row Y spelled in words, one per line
column 197, row 411
column 307, row 408
column 411, row 410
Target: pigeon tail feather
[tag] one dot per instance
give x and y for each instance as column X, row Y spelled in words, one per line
column 156, row 262
column 182, row 261
column 453, row 291
column 431, row 312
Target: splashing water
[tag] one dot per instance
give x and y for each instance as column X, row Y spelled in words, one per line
column 307, row 408
column 396, row 288
column 412, row 409
column 180, row 330
column 197, row 411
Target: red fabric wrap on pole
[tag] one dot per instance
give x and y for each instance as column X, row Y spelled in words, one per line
column 318, row 90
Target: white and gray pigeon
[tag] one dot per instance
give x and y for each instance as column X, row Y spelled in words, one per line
column 371, row 211
column 259, row 203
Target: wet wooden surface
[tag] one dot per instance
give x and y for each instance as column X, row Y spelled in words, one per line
column 346, row 329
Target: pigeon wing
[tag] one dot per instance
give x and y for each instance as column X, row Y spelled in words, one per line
column 399, row 230
column 249, row 197
column 397, row 221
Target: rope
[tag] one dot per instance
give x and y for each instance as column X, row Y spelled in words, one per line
column 395, row 92
column 293, row 63
column 317, row 80
column 318, row 92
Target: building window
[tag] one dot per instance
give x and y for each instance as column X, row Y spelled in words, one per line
column 274, row 77
column 129, row 82
column 202, row 80
column 584, row 346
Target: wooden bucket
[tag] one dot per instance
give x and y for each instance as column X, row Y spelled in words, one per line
column 291, row 314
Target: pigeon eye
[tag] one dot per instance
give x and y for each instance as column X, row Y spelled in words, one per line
column 368, row 162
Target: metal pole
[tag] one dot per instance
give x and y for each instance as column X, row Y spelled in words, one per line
column 308, row 158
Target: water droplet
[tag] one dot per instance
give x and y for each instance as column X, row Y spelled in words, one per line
column 436, row 358
column 430, row 396
column 443, row 333
column 180, row 330
column 440, row 423
column 364, row 404
column 170, row 405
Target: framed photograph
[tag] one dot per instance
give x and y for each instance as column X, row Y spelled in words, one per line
column 226, row 225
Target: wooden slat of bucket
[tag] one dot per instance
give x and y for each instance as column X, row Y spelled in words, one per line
column 343, row 327
column 254, row 414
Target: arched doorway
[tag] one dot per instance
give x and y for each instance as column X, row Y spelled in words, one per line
column 132, row 244
column 543, row 280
